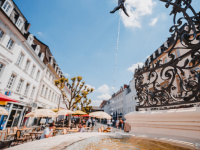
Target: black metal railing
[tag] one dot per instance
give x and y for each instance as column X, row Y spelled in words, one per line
column 176, row 81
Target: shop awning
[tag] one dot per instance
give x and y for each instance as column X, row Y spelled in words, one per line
column 7, row 99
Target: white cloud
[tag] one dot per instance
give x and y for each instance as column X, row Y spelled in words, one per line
column 67, row 75
column 153, row 21
column 105, row 92
column 95, row 102
column 136, row 10
column 104, row 96
column 104, row 89
column 40, row 34
column 164, row 16
column 135, row 66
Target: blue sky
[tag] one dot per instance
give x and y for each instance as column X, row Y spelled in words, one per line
column 82, row 35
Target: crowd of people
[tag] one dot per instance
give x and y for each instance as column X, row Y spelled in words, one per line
column 119, row 123
column 82, row 124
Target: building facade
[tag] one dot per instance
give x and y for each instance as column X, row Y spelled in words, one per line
column 121, row 102
column 27, row 68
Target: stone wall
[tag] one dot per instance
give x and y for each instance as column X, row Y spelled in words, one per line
column 183, row 123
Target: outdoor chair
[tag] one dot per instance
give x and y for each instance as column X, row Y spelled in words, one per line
column 38, row 129
column 102, row 129
column 18, row 137
column 64, row 131
column 15, row 129
column 99, row 129
column 5, row 144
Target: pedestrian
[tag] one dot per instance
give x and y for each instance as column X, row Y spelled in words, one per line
column 48, row 132
column 120, row 124
column 89, row 121
column 93, row 122
column 117, row 123
column 108, row 122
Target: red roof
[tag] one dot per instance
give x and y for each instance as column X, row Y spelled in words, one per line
column 7, row 99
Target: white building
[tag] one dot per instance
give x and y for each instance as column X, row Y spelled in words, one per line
column 122, row 102
column 20, row 65
column 27, row 68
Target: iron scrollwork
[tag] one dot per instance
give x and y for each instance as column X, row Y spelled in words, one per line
column 160, row 83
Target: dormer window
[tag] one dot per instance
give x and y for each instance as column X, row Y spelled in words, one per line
column 7, row 7
column 20, row 22
column 30, row 39
column 37, row 49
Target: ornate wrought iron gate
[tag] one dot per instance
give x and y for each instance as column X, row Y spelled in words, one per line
column 161, row 84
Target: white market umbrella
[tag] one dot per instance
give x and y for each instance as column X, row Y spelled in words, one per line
column 42, row 113
column 3, row 111
column 63, row 113
column 100, row 114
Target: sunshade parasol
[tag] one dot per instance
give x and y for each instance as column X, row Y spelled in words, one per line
column 42, row 113
column 7, row 99
column 100, row 114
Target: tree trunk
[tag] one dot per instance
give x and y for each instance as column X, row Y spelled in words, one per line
column 69, row 120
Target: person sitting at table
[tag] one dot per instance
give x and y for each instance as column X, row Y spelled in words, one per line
column 48, row 132
column 81, row 128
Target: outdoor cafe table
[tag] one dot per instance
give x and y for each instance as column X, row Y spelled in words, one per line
column 23, row 129
column 37, row 135
column 60, row 128
column 72, row 130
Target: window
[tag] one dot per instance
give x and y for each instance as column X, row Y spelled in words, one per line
column 38, row 74
column 6, row 7
column 19, row 86
column 49, row 76
column 174, row 53
column 45, row 94
column 10, row 44
column 165, row 60
column 33, row 70
column 52, row 97
column 178, row 53
column 1, row 34
column 55, row 98
column 49, row 95
column 26, row 89
column 47, row 73
column 27, row 65
column 11, row 81
column 19, row 22
column 42, row 90
column 32, row 92
column 1, row 68
column 30, row 39
column 20, row 59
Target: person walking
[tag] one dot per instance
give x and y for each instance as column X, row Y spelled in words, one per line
column 89, row 122
column 117, row 123
column 93, row 122
column 120, row 124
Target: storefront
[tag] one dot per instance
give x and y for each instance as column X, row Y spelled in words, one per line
column 16, row 116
